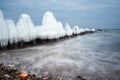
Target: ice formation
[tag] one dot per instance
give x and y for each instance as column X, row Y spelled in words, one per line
column 86, row 29
column 89, row 30
column 93, row 29
column 38, row 31
column 25, row 28
column 82, row 30
column 51, row 28
column 3, row 31
column 76, row 30
column 26, row 31
column 12, row 31
column 68, row 30
column 61, row 31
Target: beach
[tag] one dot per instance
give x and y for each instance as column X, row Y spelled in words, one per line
column 91, row 56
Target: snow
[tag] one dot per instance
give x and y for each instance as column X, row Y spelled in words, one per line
column 25, row 28
column 3, row 31
column 68, row 30
column 12, row 31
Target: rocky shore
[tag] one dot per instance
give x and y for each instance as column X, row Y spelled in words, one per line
column 12, row 73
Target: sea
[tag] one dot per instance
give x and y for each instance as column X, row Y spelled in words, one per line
column 92, row 56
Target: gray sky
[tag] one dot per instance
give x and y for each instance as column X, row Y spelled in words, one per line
column 84, row 13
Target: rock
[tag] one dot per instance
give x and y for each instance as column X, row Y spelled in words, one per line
column 4, row 54
column 80, row 78
column 10, row 65
column 60, row 78
column 23, row 75
column 6, row 75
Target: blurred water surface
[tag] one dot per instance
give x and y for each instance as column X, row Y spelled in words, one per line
column 93, row 56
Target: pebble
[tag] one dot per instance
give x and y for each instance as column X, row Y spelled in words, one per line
column 6, row 75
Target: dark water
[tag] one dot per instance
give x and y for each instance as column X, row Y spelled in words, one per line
column 93, row 56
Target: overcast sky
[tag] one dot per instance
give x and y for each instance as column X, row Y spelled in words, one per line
column 84, row 13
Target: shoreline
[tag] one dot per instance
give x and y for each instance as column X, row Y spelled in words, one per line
column 13, row 73
column 38, row 41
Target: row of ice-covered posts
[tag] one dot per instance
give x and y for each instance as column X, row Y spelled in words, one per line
column 25, row 30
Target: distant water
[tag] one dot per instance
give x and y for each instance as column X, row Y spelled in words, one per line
column 92, row 56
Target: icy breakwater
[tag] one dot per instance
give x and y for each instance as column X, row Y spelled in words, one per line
column 25, row 33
